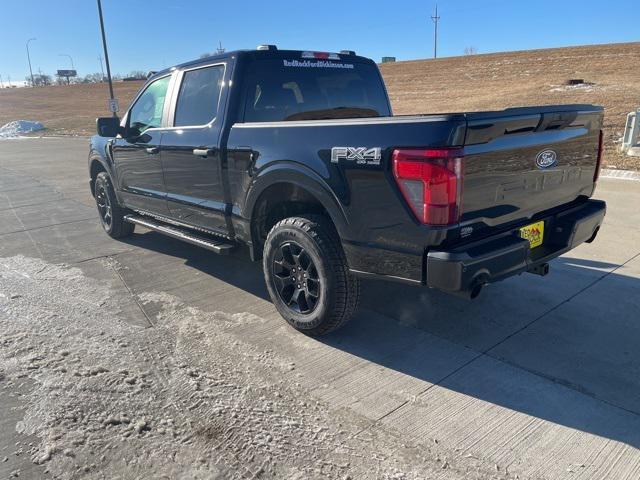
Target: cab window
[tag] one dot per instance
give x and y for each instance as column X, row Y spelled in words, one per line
column 147, row 111
column 199, row 95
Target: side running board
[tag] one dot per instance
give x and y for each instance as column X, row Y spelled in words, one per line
column 218, row 246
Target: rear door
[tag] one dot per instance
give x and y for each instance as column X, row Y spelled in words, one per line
column 137, row 155
column 523, row 161
column 191, row 157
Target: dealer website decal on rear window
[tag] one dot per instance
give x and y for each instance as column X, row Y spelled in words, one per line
column 316, row 64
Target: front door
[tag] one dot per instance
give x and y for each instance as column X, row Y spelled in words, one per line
column 137, row 155
column 191, row 158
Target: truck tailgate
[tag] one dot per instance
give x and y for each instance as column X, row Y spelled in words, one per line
column 522, row 161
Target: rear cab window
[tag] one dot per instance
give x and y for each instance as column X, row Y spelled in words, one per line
column 289, row 89
column 199, row 96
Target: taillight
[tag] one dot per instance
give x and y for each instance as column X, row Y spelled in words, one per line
column 596, row 174
column 431, row 182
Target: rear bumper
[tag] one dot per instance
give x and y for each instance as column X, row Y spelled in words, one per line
column 461, row 270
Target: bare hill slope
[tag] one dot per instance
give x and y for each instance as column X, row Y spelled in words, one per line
column 64, row 110
column 534, row 77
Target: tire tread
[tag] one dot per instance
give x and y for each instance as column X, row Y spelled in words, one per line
column 347, row 288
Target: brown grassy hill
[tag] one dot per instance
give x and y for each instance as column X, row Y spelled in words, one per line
column 534, row 77
column 64, row 110
column 478, row 82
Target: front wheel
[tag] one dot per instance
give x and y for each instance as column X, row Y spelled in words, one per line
column 110, row 211
column 307, row 276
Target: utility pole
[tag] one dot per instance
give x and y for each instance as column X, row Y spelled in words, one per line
column 435, row 18
column 106, row 60
column 101, row 69
column 1, row 84
column 29, row 58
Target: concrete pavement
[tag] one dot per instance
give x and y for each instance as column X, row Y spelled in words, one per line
column 540, row 376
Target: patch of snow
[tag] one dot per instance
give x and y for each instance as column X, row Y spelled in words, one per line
column 581, row 87
column 19, row 127
column 620, row 174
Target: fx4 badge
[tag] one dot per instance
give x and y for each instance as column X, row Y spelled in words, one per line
column 361, row 155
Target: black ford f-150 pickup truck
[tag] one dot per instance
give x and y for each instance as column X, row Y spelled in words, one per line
column 298, row 156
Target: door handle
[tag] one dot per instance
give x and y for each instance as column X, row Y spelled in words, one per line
column 152, row 150
column 204, row 152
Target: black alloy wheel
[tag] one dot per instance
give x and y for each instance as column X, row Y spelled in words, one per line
column 296, row 278
column 104, row 205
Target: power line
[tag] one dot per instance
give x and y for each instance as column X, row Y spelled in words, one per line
column 435, row 18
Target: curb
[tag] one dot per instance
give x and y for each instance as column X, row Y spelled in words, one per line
column 620, row 174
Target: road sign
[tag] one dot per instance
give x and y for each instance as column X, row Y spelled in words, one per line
column 67, row 73
column 113, row 105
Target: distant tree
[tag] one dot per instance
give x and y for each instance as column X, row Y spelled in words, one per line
column 92, row 78
column 470, row 50
column 137, row 74
column 39, row 79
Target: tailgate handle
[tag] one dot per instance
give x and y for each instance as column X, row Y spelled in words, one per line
column 204, row 152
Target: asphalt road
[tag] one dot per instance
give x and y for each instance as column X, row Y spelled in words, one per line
column 539, row 376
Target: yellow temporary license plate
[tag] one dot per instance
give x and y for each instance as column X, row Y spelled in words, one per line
column 534, row 233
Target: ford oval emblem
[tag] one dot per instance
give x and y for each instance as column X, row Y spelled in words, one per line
column 546, row 159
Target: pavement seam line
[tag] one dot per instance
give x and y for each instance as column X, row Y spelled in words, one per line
column 24, row 230
column 552, row 309
column 98, row 257
column 34, row 204
column 133, row 295
column 562, row 383
column 485, row 353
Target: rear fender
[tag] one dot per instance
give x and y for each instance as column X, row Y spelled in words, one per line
column 305, row 178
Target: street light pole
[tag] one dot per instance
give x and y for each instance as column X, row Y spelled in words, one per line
column 106, row 54
column 29, row 58
column 69, row 56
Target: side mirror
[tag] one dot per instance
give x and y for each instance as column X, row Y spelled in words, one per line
column 108, row 126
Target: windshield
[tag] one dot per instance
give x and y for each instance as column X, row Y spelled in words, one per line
column 283, row 90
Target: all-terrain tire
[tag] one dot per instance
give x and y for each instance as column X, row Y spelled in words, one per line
column 315, row 241
column 109, row 210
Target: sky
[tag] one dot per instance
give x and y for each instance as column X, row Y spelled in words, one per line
column 154, row 34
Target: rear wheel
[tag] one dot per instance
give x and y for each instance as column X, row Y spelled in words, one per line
column 307, row 276
column 110, row 212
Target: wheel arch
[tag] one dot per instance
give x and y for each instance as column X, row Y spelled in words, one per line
column 95, row 167
column 282, row 192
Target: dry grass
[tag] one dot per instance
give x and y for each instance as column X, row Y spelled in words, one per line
column 535, row 77
column 64, row 110
column 479, row 82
